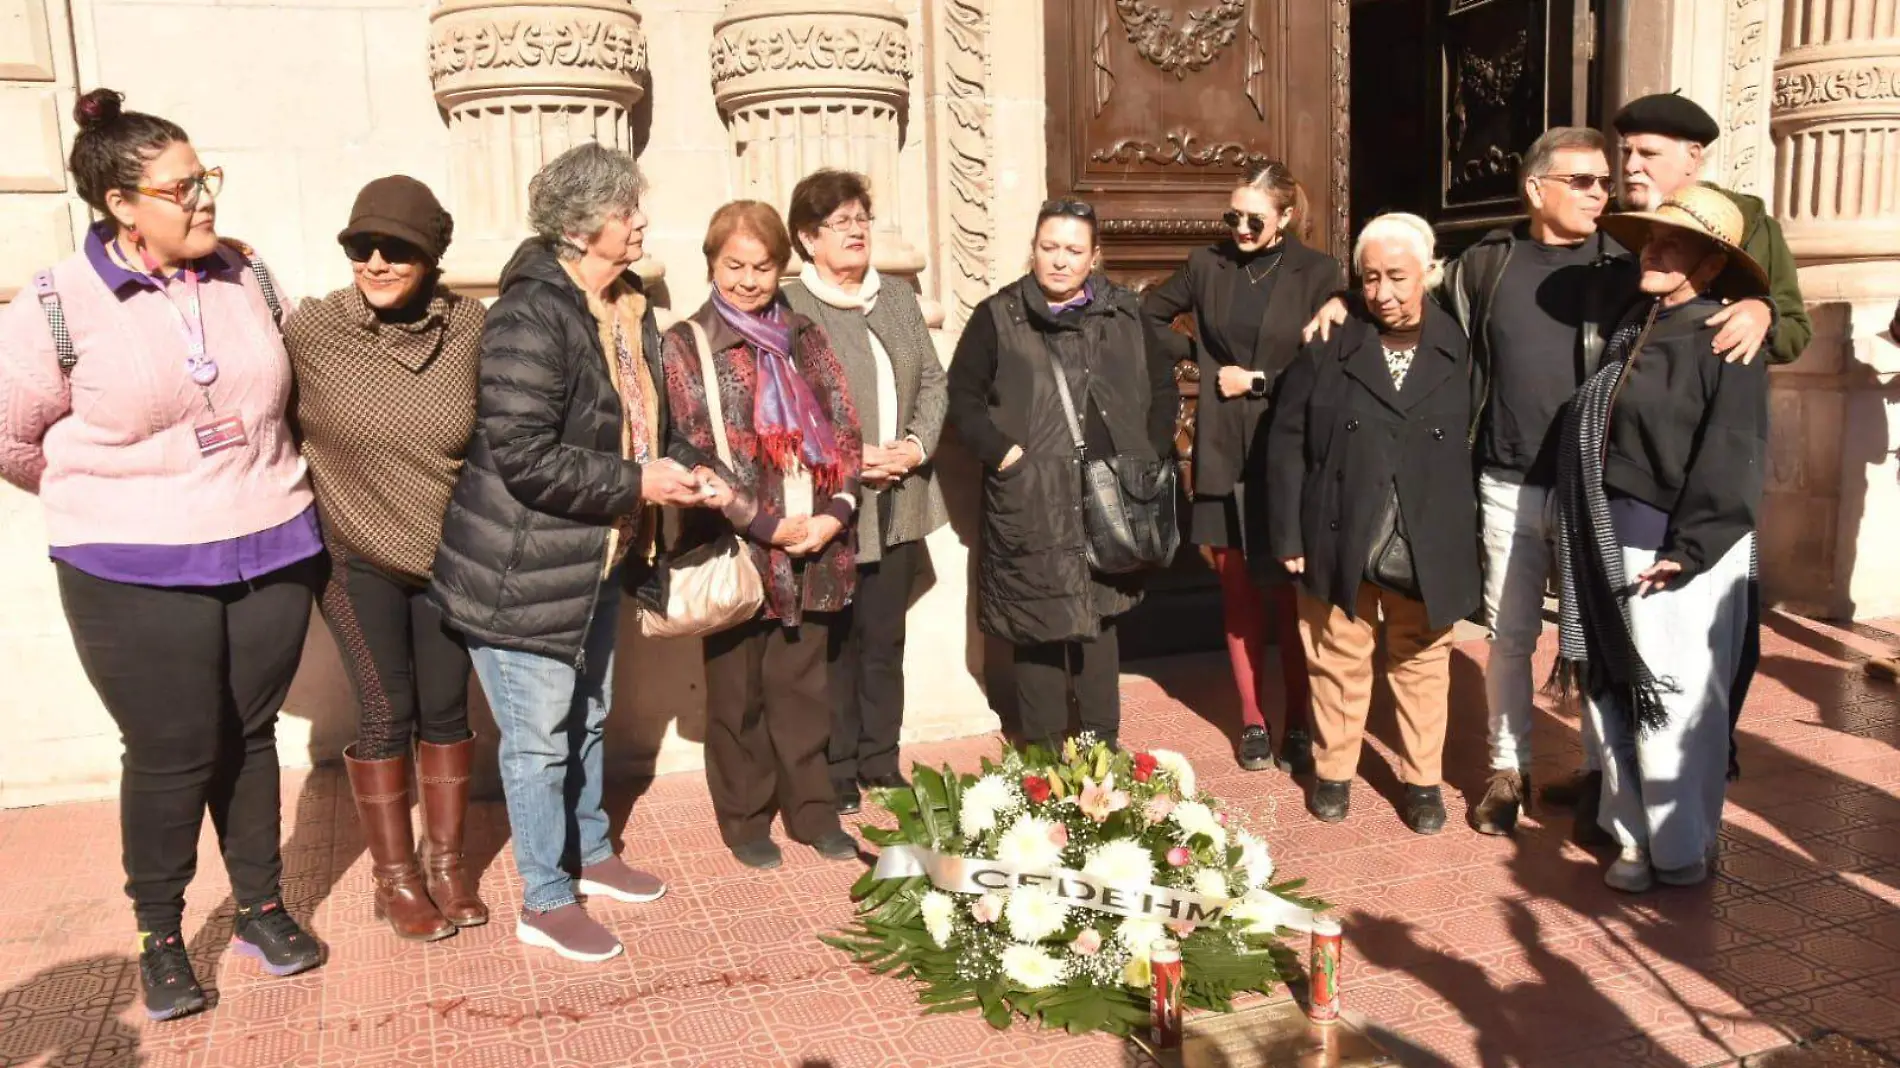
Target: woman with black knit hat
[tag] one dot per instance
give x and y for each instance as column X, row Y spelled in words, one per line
column 387, row 376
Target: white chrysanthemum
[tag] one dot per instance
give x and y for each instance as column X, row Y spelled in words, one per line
column 1027, row 845
column 985, row 798
column 1254, row 917
column 1030, row 967
column 1195, row 818
column 1034, row 913
column 1123, row 861
column 937, row 908
column 1177, row 765
column 1255, row 858
column 1210, row 882
column 1139, row 935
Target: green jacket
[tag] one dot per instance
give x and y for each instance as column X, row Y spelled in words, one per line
column 1761, row 238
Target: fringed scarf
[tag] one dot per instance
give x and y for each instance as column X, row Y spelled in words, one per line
column 1596, row 649
column 792, row 426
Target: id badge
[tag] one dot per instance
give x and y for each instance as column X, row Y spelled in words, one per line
column 217, row 436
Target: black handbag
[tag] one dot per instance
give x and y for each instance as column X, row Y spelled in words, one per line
column 1390, row 567
column 1128, row 501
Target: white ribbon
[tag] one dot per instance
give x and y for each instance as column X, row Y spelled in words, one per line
column 974, row 875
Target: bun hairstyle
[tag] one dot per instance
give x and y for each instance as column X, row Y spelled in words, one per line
column 114, row 145
column 1276, row 180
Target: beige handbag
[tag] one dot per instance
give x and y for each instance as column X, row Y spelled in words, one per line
column 714, row 586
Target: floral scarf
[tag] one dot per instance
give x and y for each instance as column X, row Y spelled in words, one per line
column 792, row 426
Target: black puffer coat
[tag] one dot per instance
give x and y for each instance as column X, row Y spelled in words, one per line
column 1034, row 583
column 525, row 538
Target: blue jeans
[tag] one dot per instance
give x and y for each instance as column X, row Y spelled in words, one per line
column 551, row 719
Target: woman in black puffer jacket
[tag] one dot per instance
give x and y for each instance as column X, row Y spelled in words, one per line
column 558, row 502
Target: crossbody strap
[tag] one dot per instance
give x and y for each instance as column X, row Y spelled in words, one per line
column 715, row 407
column 1068, row 406
column 56, row 322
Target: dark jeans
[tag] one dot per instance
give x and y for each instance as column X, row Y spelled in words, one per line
column 1049, row 672
column 867, row 675
column 409, row 671
column 194, row 677
column 768, row 717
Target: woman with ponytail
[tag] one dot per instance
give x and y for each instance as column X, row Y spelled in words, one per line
column 142, row 397
column 1250, row 294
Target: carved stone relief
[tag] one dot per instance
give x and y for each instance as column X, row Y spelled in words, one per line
column 1742, row 91
column 1180, row 51
column 1178, row 147
column 1341, row 79
column 963, row 51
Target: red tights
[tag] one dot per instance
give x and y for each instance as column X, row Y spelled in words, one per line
column 1244, row 607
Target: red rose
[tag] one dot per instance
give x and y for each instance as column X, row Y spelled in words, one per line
column 1036, row 787
column 1145, row 765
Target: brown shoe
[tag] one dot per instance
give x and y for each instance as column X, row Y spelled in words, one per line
column 442, row 774
column 382, row 807
column 1507, row 792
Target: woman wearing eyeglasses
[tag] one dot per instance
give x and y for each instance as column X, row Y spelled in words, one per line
column 144, row 402
column 1250, row 294
column 388, row 374
column 897, row 383
column 1035, row 588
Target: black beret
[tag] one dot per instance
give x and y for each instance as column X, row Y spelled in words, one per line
column 1669, row 115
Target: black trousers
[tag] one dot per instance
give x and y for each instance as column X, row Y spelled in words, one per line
column 408, row 669
column 768, row 718
column 1050, row 673
column 194, row 678
column 867, row 674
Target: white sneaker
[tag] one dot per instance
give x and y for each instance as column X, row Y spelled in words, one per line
column 1630, row 872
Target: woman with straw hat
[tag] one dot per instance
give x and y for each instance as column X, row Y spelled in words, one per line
column 1659, row 483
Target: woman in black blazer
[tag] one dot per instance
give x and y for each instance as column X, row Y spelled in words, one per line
column 1250, row 294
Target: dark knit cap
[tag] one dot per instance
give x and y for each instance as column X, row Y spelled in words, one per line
column 401, row 207
column 1667, row 114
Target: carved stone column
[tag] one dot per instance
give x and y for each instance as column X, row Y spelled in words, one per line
column 521, row 82
column 1833, row 485
column 806, row 84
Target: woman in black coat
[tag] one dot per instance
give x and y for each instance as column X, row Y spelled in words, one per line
column 1249, row 294
column 1035, row 588
column 1369, row 467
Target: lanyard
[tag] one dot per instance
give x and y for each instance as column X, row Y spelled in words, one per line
column 189, row 315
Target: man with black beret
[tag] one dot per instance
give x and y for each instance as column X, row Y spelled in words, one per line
column 1664, row 138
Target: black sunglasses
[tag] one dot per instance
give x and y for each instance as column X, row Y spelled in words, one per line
column 1580, row 182
column 1245, row 222
column 1075, row 209
column 361, row 247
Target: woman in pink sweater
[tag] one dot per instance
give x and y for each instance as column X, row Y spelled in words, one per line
column 142, row 397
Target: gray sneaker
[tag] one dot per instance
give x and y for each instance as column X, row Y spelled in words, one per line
column 613, row 878
column 569, row 931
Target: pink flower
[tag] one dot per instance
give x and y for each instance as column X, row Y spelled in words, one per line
column 987, row 909
column 1179, row 857
column 1088, row 943
column 1181, row 928
column 1099, row 802
column 1221, row 818
column 1159, row 806
column 1059, row 834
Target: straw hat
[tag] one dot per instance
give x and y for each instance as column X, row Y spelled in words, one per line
column 1707, row 213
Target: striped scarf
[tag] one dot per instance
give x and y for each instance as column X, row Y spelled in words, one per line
column 1596, row 648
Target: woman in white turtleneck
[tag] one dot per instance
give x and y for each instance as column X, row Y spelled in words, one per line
column 898, row 385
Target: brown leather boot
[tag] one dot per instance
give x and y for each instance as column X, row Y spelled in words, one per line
column 442, row 773
column 382, row 806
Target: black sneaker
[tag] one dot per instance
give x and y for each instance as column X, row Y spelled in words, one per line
column 762, row 855
column 1256, row 749
column 1424, row 810
column 269, row 933
column 171, row 988
column 1296, row 752
column 849, row 799
column 1330, row 801
column 836, row 845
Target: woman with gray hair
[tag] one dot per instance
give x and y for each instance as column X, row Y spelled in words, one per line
column 557, row 507
column 1369, row 468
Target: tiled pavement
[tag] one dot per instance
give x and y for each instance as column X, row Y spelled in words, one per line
column 1465, row 950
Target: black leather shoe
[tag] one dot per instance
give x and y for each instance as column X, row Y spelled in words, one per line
column 762, row 855
column 849, row 800
column 1256, row 749
column 1424, row 809
column 836, row 845
column 1296, row 752
column 1330, row 801
column 894, row 781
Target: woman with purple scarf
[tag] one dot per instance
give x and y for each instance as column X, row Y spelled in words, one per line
column 796, row 450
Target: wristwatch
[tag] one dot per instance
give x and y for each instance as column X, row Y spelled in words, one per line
column 1257, row 387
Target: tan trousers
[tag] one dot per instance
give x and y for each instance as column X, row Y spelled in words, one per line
column 1339, row 653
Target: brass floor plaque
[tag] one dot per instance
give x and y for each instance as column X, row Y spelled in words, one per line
column 1275, row 1035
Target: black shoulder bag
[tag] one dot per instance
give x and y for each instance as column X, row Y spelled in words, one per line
column 1128, row 501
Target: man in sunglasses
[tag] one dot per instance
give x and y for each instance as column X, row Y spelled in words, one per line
column 1538, row 301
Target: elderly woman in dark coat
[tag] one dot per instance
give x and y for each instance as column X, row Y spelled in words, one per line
column 1035, row 588
column 1250, row 294
column 1369, row 465
column 897, row 384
